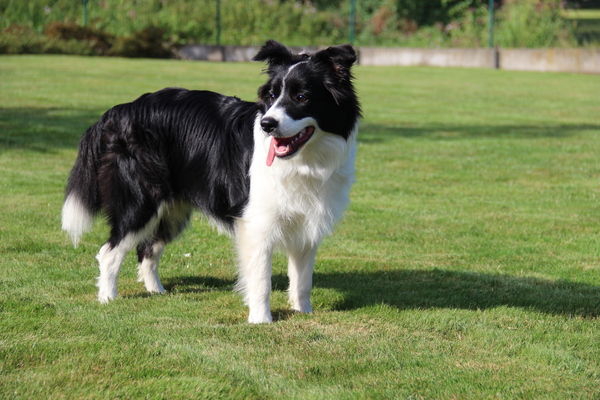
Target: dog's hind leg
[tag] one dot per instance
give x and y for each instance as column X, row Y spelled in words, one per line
column 110, row 259
column 300, row 270
column 113, row 253
column 174, row 218
column 149, row 254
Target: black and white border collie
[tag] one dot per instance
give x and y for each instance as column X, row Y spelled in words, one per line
column 274, row 174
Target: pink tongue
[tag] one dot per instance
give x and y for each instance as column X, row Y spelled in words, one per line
column 275, row 148
column 271, row 155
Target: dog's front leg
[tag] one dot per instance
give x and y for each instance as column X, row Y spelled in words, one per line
column 300, row 271
column 254, row 281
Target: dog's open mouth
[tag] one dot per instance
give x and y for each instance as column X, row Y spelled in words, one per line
column 287, row 146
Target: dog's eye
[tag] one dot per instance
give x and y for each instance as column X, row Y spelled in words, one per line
column 301, row 98
column 271, row 97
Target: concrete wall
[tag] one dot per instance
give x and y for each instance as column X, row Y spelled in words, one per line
column 547, row 60
column 470, row 58
column 553, row 60
column 227, row 53
column 202, row 53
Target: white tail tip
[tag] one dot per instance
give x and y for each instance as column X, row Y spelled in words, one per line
column 76, row 218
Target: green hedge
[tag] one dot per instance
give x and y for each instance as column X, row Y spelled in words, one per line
column 151, row 28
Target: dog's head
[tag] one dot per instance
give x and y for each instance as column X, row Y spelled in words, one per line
column 306, row 93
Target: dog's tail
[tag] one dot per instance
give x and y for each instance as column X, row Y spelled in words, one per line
column 82, row 198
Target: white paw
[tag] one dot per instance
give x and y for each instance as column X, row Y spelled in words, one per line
column 105, row 298
column 305, row 309
column 155, row 288
column 302, row 306
column 106, row 291
column 260, row 318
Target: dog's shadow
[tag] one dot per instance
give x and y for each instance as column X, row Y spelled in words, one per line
column 424, row 289
column 197, row 284
column 421, row 289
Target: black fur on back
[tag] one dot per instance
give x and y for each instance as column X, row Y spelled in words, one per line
column 166, row 147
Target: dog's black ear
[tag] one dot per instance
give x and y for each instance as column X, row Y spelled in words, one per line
column 336, row 63
column 275, row 53
column 341, row 58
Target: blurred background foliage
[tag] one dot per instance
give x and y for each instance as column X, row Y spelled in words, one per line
column 153, row 28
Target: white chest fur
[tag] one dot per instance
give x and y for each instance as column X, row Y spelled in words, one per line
column 300, row 199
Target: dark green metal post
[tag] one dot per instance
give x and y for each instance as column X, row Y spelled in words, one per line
column 218, row 22
column 491, row 41
column 85, row 18
column 352, row 20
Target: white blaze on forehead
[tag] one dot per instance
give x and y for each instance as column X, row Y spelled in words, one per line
column 282, row 91
column 287, row 126
column 291, row 68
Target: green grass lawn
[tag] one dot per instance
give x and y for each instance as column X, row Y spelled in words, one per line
column 467, row 267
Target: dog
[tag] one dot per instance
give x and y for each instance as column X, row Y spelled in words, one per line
column 274, row 174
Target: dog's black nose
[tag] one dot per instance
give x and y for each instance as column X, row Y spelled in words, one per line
column 269, row 124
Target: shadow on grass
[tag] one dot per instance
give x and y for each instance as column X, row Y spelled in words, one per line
column 46, row 129
column 410, row 289
column 197, row 284
column 43, row 129
column 377, row 133
column 418, row 289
